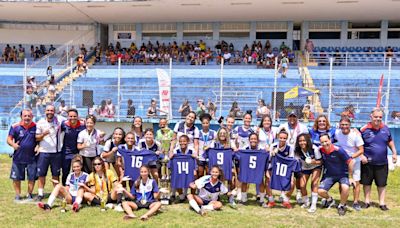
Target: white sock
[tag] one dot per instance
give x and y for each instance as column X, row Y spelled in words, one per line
column 314, row 199
column 182, row 196
column 284, row 197
column 262, row 196
column 208, row 207
column 78, row 200
column 271, row 199
column 51, row 199
column 239, row 194
column 40, row 191
column 244, row 196
column 194, row 205
column 305, row 199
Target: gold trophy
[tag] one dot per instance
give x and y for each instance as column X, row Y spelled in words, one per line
column 164, row 182
column 63, row 205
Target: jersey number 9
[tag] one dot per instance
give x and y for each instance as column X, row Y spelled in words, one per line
column 220, row 158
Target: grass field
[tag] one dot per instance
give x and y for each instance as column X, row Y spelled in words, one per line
column 28, row 215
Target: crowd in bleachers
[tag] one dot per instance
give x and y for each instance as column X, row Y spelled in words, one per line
column 196, row 53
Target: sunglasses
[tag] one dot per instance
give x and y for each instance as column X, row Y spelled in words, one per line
column 96, row 164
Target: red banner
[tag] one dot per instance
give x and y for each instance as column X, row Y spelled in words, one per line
column 378, row 101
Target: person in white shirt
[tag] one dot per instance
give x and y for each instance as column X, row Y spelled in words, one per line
column 48, row 134
column 88, row 140
column 353, row 144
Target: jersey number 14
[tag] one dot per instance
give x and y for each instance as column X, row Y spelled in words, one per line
column 183, row 167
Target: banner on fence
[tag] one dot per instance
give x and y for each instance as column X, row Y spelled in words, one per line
column 164, row 87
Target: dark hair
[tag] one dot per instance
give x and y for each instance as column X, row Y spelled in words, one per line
column 141, row 126
column 325, row 134
column 345, row 119
column 253, row 133
column 184, row 136
column 148, row 130
column 73, row 110
column 139, row 179
column 205, row 116
column 297, row 150
column 283, row 131
column 195, row 116
column 263, row 118
column 221, row 176
column 123, row 135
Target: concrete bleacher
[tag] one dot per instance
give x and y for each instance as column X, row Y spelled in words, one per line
column 357, row 87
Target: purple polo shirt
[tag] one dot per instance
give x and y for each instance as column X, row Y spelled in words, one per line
column 25, row 136
column 375, row 143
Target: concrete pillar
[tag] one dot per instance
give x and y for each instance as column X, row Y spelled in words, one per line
column 344, row 26
column 289, row 36
column 384, row 32
column 253, row 30
column 139, row 36
column 179, row 32
column 111, row 34
column 304, row 34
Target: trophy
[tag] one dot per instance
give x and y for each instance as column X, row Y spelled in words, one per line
column 164, row 182
column 63, row 206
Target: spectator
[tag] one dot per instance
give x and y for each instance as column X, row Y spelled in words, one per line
column 201, row 108
column 102, row 110
column 21, row 53
column 389, row 52
column 185, row 109
column 262, row 109
column 110, row 108
column 309, row 46
column 284, row 65
column 62, row 109
column 131, row 109
column 212, row 108
column 235, row 110
column 32, row 83
column 30, row 98
column 49, row 72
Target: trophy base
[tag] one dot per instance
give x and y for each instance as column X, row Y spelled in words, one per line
column 164, row 201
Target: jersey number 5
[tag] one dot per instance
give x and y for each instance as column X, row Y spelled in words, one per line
column 253, row 162
column 137, row 161
column 183, row 167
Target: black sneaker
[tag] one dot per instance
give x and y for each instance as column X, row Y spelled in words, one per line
column 383, row 207
column 39, row 198
column 357, row 206
column 172, row 199
column 329, row 203
column 367, row 205
column 341, row 210
column 44, row 206
column 258, row 198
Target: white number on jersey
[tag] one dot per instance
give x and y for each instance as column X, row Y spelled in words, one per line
column 220, row 158
column 252, row 162
column 137, row 161
column 183, row 167
column 281, row 169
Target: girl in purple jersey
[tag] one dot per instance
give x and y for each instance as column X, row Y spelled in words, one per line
column 137, row 128
column 111, row 148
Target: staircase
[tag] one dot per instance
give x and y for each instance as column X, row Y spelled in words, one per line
column 309, row 83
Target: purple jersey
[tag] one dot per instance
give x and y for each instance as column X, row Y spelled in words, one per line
column 253, row 164
column 376, row 143
column 25, row 136
column 221, row 158
column 182, row 170
column 314, row 134
column 335, row 162
column 133, row 160
column 145, row 191
column 282, row 170
column 69, row 147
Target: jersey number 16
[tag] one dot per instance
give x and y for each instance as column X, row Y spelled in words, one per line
column 137, row 161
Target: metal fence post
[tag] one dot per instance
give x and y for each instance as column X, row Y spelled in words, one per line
column 71, row 96
column 330, row 88
column 275, row 85
column 24, row 81
column 170, row 78
column 347, row 57
column 221, row 83
column 119, row 89
column 388, row 91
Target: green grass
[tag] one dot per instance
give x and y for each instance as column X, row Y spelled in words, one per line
column 28, row 215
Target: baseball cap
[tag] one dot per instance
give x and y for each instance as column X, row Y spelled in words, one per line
column 293, row 113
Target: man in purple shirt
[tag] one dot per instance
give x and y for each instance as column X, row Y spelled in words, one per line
column 374, row 166
column 21, row 137
column 338, row 167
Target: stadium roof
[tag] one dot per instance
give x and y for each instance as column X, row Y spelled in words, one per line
column 131, row 11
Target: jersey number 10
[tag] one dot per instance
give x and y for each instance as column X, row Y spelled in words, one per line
column 183, row 167
column 137, row 161
column 281, row 169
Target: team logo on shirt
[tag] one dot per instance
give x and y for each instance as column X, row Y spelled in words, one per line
column 21, row 133
column 148, row 187
column 217, row 189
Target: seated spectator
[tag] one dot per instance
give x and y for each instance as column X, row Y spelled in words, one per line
column 32, row 83
column 201, row 108
column 62, row 109
column 153, row 110
column 21, row 53
column 185, row 109
column 262, row 109
column 110, row 108
column 212, row 108
column 389, row 52
column 102, row 111
column 227, row 57
column 235, row 110
column 30, row 98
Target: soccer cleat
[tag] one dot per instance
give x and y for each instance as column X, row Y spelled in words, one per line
column 172, row 199
column 75, row 207
column 29, row 198
column 44, row 206
column 271, row 204
column 329, row 203
column 367, row 205
column 202, row 212
column 39, row 198
column 341, row 210
column 383, row 207
column 287, row 205
column 312, row 209
column 357, row 206
column 233, row 205
column 305, row 205
column 17, row 199
column 118, row 208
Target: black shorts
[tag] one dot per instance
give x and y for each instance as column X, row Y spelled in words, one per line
column 379, row 173
column 141, row 206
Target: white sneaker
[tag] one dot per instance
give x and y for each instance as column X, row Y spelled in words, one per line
column 109, row 206
column 312, row 209
column 118, row 208
column 305, row 205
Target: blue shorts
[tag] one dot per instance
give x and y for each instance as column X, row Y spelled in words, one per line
column 205, row 202
column 18, row 171
column 328, row 182
column 310, row 171
column 54, row 160
column 73, row 199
